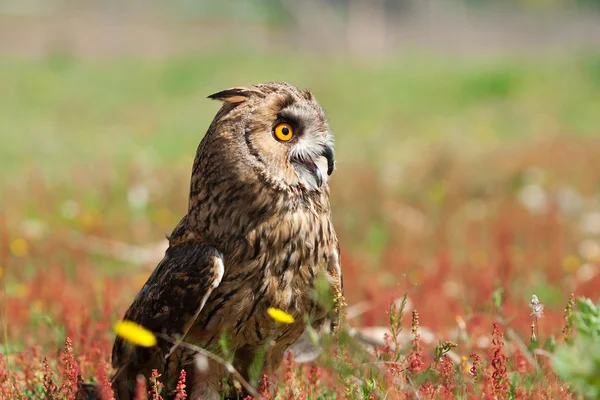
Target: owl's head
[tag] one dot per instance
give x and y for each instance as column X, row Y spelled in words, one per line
column 274, row 131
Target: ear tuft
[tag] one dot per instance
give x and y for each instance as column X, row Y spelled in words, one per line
column 236, row 94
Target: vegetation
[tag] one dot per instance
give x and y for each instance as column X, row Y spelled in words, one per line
column 462, row 190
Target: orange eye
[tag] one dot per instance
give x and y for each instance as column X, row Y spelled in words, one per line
column 284, row 132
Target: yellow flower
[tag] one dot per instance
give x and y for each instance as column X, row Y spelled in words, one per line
column 19, row 247
column 1, row 272
column 465, row 365
column 134, row 333
column 280, row 315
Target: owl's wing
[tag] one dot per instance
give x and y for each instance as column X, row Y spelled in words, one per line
column 170, row 302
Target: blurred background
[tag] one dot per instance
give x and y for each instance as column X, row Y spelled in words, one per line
column 467, row 139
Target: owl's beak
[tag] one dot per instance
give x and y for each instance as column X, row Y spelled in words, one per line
column 328, row 154
column 309, row 166
column 318, row 177
column 304, row 165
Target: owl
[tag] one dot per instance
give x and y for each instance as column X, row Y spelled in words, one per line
column 257, row 234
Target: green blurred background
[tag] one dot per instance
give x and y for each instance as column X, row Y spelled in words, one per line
column 109, row 80
column 102, row 105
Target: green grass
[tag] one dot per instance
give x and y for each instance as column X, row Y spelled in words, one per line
column 59, row 112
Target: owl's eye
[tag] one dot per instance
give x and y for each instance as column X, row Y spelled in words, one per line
column 283, row 131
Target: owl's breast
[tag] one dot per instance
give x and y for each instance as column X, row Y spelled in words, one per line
column 279, row 266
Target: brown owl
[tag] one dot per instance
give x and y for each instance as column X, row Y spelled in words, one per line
column 257, row 234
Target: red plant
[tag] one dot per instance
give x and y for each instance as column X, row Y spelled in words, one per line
column 29, row 361
column 180, row 389
column 68, row 389
column 447, row 373
column 454, row 277
column 385, row 351
column 105, row 387
column 415, row 358
column 499, row 363
column 49, row 385
column 155, row 385
column 476, row 364
column 266, row 387
column 289, row 377
column 314, row 378
column 427, row 390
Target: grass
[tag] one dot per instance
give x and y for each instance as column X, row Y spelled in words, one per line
column 467, row 186
column 61, row 111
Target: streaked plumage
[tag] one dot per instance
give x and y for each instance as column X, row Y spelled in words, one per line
column 257, row 234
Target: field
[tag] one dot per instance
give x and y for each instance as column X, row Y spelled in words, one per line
column 468, row 186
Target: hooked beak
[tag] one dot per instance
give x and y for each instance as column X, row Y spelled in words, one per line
column 313, row 169
column 328, row 154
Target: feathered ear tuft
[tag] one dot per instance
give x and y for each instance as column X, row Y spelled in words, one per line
column 236, row 94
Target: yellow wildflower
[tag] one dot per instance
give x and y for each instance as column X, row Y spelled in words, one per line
column 134, row 333
column 465, row 365
column 1, row 272
column 280, row 315
column 19, row 247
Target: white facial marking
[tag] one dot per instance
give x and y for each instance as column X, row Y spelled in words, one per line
column 310, row 147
